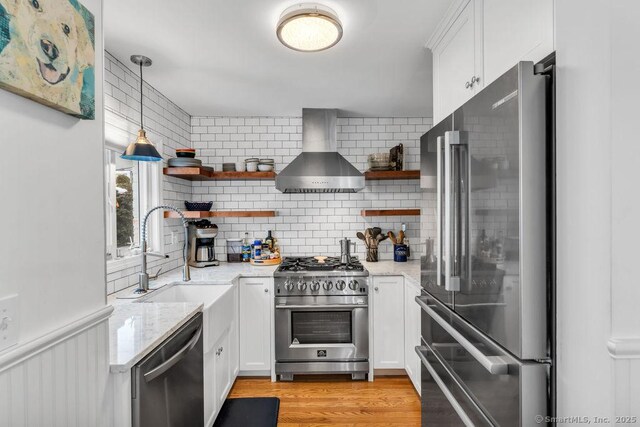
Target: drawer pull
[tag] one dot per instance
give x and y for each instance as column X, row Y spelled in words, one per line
column 496, row 365
column 447, row 393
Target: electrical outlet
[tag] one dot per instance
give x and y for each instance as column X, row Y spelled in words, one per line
column 9, row 325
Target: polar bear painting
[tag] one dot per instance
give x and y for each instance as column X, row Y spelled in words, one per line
column 47, row 53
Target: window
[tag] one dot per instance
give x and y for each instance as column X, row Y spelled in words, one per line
column 131, row 189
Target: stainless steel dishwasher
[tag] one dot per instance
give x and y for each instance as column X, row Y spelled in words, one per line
column 167, row 385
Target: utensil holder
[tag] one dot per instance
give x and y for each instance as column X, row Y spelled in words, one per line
column 372, row 254
column 400, row 253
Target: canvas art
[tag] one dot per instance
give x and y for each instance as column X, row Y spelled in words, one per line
column 47, row 53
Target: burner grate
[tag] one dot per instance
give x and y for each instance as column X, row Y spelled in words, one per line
column 302, row 264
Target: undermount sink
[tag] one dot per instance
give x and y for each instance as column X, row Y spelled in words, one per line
column 206, row 294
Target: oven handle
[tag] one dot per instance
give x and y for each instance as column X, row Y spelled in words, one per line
column 323, row 306
column 443, row 387
column 496, row 365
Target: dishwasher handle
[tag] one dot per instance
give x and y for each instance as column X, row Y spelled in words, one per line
column 496, row 365
column 177, row 357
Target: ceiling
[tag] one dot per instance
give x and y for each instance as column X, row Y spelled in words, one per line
column 222, row 57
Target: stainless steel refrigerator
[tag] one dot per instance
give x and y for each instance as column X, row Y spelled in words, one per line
column 486, row 336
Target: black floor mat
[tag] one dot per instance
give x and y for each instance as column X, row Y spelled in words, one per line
column 249, row 412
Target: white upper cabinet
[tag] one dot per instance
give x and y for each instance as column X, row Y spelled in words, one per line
column 457, row 62
column 479, row 40
column 515, row 30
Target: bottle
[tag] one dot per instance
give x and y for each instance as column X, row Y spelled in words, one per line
column 246, row 248
column 269, row 240
column 257, row 249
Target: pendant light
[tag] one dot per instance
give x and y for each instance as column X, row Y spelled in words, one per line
column 141, row 149
column 309, row 27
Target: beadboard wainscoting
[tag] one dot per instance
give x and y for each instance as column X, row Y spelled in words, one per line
column 309, row 224
column 60, row 379
column 172, row 126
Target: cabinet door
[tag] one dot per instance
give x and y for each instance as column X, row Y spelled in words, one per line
column 234, row 342
column 255, row 324
column 515, row 30
column 222, row 369
column 411, row 333
column 388, row 322
column 456, row 60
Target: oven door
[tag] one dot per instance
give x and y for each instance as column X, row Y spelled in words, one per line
column 324, row 329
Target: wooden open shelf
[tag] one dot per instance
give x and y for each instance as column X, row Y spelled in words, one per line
column 206, row 174
column 386, row 175
column 220, row 214
column 390, row 212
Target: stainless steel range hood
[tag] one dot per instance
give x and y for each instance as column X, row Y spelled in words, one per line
column 319, row 168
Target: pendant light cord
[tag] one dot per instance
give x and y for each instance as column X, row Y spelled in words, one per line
column 141, row 84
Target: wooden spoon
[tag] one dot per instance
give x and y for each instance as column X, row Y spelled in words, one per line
column 360, row 236
column 392, row 237
column 375, row 231
column 401, row 237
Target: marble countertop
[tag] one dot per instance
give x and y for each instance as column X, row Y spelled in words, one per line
column 137, row 328
column 410, row 270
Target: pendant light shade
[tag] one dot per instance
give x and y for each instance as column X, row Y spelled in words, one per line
column 141, row 150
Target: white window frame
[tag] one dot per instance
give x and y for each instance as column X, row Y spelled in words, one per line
column 119, row 132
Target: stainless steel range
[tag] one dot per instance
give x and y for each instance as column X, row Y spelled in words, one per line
column 321, row 317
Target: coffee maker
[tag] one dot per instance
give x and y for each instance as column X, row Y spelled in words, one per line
column 202, row 240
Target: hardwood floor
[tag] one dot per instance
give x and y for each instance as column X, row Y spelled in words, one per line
column 337, row 401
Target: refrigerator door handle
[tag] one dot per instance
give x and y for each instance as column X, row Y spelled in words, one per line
column 496, row 365
column 443, row 387
column 439, row 216
column 452, row 213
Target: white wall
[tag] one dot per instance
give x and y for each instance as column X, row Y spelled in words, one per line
column 51, row 179
column 598, row 207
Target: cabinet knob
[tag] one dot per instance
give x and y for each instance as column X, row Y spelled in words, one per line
column 467, row 85
column 376, row 289
column 474, row 80
column 266, row 291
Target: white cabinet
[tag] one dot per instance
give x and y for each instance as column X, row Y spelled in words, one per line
column 457, row 61
column 515, row 30
column 388, row 322
column 256, row 303
column 412, row 332
column 479, row 40
column 223, row 370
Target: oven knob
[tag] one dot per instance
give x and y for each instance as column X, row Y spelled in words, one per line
column 353, row 285
column 288, row 285
column 315, row 286
column 340, row 285
column 302, row 285
column 327, row 286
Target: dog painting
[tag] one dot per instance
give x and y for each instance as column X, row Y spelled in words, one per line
column 47, row 53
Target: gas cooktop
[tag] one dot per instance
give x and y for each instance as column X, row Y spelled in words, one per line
column 314, row 266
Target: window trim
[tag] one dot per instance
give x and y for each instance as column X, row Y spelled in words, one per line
column 119, row 131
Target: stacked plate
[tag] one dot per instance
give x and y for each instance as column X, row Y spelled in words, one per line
column 265, row 165
column 184, row 162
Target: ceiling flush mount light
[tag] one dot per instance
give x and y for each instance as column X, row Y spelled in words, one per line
column 141, row 149
column 309, row 27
